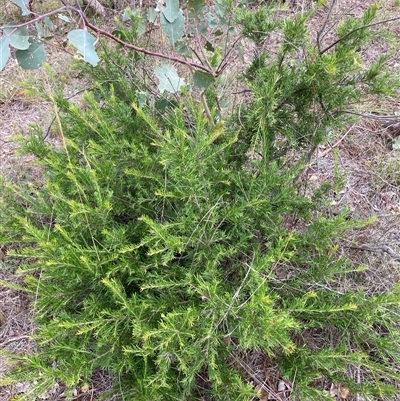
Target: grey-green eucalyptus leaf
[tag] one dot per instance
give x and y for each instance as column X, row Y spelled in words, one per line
column 172, row 11
column 18, row 39
column 169, row 80
column 22, row 4
column 202, row 80
column 33, row 57
column 84, row 43
column 4, row 51
column 173, row 30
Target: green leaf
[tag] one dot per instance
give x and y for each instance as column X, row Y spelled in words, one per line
column 18, row 39
column 212, row 23
column 195, row 7
column 127, row 15
column 163, row 104
column 172, row 11
column 120, row 34
column 202, row 28
column 47, row 21
column 4, row 51
column 183, row 49
column 64, row 18
column 209, row 47
column 84, row 43
column 174, row 30
column 220, row 9
column 225, row 103
column 22, row 5
column 142, row 99
column 168, row 78
column 33, row 57
column 142, row 27
column 202, row 80
column 39, row 30
column 152, row 15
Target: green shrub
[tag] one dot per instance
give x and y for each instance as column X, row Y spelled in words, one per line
column 167, row 253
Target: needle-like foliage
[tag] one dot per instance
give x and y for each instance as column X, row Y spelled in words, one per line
column 167, row 253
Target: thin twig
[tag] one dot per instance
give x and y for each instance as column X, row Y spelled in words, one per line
column 12, row 339
column 356, row 30
column 336, row 144
column 323, row 154
column 54, row 118
column 205, row 59
column 374, row 116
column 324, row 25
column 241, row 92
column 224, row 62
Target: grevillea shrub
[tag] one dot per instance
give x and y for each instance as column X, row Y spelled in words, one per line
column 167, row 246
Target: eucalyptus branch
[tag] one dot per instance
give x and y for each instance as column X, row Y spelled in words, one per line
column 33, row 21
column 201, row 48
column 224, row 62
column 102, row 32
column 356, row 30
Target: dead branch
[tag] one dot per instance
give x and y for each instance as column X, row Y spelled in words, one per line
column 96, row 6
column 380, row 248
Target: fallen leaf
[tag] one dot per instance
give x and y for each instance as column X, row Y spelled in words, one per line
column 343, row 392
column 84, row 388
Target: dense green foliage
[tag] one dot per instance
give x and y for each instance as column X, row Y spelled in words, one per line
column 164, row 246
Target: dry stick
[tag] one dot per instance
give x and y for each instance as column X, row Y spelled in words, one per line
column 358, row 398
column 206, row 108
column 97, row 7
column 109, row 35
column 12, row 339
column 323, row 154
column 380, row 248
column 374, row 116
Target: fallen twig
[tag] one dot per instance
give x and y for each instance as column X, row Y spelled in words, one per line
column 380, row 248
column 12, row 339
column 375, row 116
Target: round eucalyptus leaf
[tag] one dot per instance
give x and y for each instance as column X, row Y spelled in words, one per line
column 173, row 30
column 84, row 42
column 31, row 58
column 202, row 80
column 168, row 77
column 18, row 39
column 22, row 5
